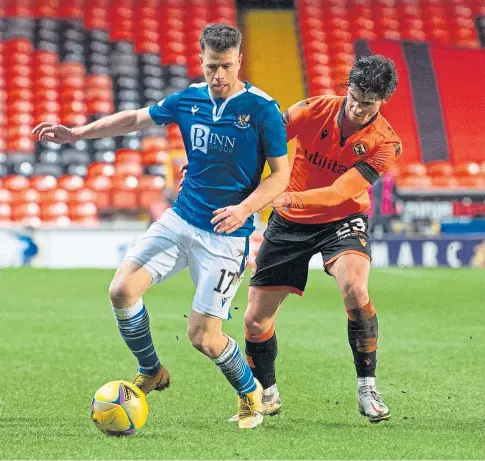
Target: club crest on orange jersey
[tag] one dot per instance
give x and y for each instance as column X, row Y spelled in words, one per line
column 242, row 121
column 360, row 148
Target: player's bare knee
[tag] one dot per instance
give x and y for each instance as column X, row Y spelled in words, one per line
column 201, row 340
column 122, row 294
column 355, row 294
column 254, row 325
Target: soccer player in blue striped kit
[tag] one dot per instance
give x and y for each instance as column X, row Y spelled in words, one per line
column 230, row 128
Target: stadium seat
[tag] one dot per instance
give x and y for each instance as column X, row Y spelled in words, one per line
column 16, row 182
column 413, row 170
column 415, row 182
column 439, row 168
column 82, row 196
column 43, row 183
column 471, row 182
column 5, row 196
column 467, row 169
column 84, row 213
column 445, row 182
column 124, row 192
column 101, row 185
column 128, row 169
column 70, row 182
column 150, row 190
column 5, row 212
column 26, row 213
column 51, row 211
column 53, row 195
column 25, row 196
column 127, row 156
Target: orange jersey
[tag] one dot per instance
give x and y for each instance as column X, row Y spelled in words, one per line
column 322, row 156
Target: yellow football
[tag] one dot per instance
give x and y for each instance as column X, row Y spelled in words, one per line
column 119, row 408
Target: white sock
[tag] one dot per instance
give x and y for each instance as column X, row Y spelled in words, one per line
column 367, row 381
column 271, row 390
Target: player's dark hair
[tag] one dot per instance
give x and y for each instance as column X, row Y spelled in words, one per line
column 374, row 74
column 220, row 38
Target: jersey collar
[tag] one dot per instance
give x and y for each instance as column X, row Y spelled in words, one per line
column 217, row 113
column 341, row 116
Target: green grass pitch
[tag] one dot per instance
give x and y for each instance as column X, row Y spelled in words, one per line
column 59, row 343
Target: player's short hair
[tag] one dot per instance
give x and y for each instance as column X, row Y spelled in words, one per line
column 220, row 38
column 374, row 74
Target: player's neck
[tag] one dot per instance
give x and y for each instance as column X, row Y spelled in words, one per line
column 348, row 128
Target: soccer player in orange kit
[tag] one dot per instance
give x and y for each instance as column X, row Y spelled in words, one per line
column 343, row 145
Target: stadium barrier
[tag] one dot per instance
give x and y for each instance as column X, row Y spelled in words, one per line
column 104, row 248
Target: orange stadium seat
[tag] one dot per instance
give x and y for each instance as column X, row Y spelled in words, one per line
column 124, row 192
column 150, row 190
column 53, row 195
column 415, row 182
column 447, row 182
column 101, row 168
column 82, row 196
column 70, row 182
column 25, row 196
column 51, row 211
column 25, row 211
column 413, row 169
column 471, row 182
column 5, row 212
column 439, row 168
column 16, row 182
column 155, row 157
column 84, row 213
column 5, row 196
column 127, row 169
column 43, row 183
column 150, row 143
column 467, row 169
column 127, row 156
column 101, row 185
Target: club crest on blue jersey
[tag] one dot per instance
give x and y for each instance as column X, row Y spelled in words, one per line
column 242, row 121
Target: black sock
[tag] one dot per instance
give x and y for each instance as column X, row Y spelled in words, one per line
column 261, row 359
column 363, row 340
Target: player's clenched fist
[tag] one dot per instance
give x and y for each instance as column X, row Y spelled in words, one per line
column 54, row 132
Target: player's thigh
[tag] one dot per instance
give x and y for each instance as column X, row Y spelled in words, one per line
column 350, row 270
column 263, row 305
column 281, row 266
column 216, row 264
column 345, row 237
column 162, row 249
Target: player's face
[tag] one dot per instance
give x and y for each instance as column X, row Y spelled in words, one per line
column 361, row 107
column 221, row 71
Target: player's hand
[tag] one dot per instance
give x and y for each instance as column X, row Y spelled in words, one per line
column 230, row 218
column 282, row 201
column 183, row 170
column 54, row 132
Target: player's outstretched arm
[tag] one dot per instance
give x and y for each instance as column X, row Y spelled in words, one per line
column 231, row 218
column 117, row 124
column 344, row 188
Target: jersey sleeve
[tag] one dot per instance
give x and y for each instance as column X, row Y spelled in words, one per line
column 272, row 132
column 295, row 117
column 165, row 111
column 384, row 156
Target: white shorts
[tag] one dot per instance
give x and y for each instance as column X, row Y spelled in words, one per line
column 216, row 262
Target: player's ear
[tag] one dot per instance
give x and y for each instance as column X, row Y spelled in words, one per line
column 239, row 58
column 201, row 59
